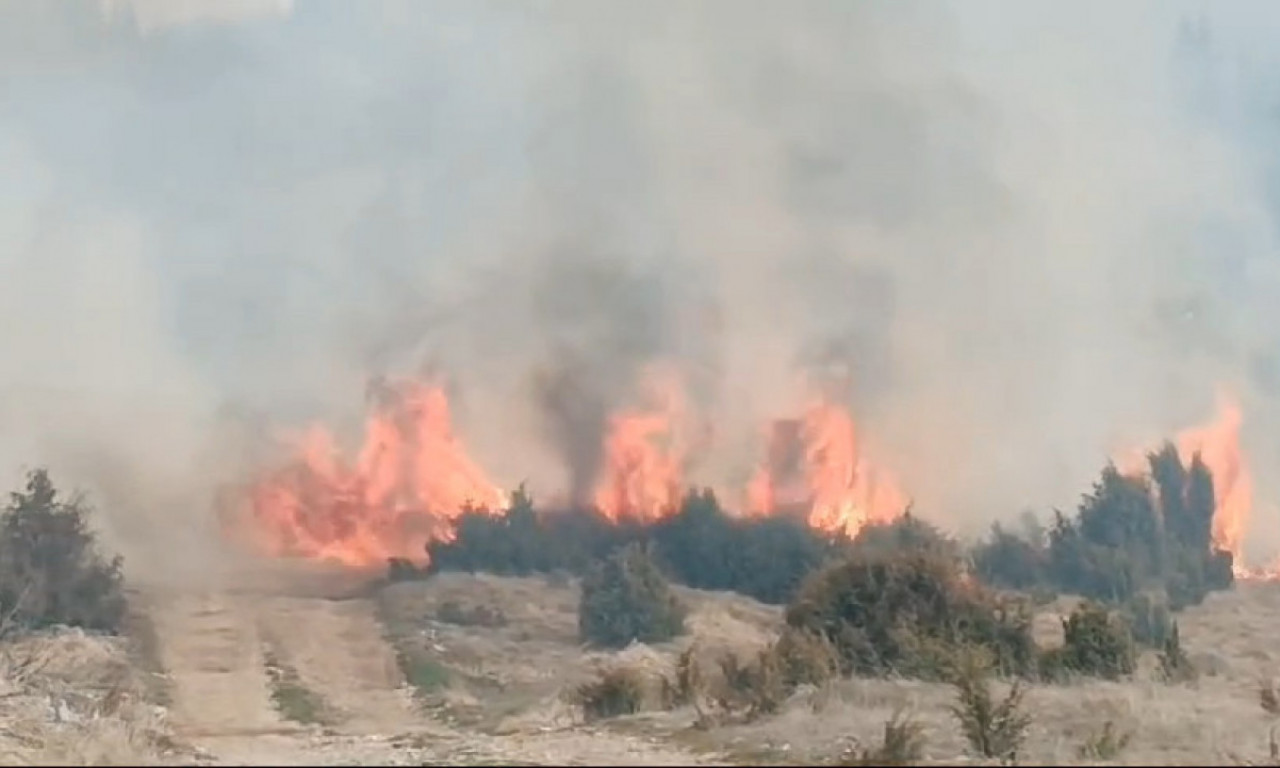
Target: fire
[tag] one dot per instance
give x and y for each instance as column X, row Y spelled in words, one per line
column 1218, row 444
column 410, row 480
column 644, row 455
column 816, row 464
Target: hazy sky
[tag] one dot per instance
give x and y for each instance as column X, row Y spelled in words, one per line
column 1034, row 232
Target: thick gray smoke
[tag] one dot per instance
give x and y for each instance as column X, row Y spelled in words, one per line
column 1027, row 234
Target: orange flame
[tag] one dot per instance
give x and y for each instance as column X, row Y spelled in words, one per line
column 642, row 478
column 412, row 478
column 816, row 463
column 1218, row 444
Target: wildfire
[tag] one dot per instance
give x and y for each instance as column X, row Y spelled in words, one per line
column 1218, row 444
column 816, row 465
column 645, row 454
column 410, row 480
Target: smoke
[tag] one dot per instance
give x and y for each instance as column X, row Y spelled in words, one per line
column 1023, row 235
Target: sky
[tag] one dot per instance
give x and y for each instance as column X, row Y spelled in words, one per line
column 1032, row 234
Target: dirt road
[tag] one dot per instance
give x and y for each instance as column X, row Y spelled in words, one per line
column 219, row 649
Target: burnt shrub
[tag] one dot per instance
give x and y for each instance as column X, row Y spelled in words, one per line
column 907, row 611
column 624, row 598
column 994, row 727
column 51, row 571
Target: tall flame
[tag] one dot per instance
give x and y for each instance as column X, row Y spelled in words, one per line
column 645, row 450
column 816, row 463
column 411, row 479
column 1218, row 444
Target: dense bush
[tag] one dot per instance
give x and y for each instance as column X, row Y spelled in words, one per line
column 907, row 611
column 1132, row 534
column 1150, row 620
column 614, row 692
column 626, row 598
column 50, row 569
column 522, row 541
column 908, row 532
column 700, row 546
column 1011, row 561
column 1095, row 644
column 765, row 557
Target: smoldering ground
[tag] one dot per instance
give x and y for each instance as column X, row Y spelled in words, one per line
column 1025, row 235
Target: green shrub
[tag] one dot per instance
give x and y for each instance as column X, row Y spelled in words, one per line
column 51, row 571
column 1150, row 620
column 1095, row 644
column 1011, row 561
column 994, row 729
column 1175, row 665
column 763, row 557
column 906, row 533
column 1130, row 536
column 522, row 541
column 700, row 546
column 906, row 612
column 626, row 598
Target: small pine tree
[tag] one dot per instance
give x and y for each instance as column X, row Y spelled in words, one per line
column 50, row 569
column 624, row 598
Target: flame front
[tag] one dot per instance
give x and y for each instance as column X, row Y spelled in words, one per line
column 1218, row 444
column 411, row 479
column 816, row 464
column 644, row 455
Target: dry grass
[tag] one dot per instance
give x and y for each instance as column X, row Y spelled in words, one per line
column 901, row 744
column 73, row 699
column 1106, row 744
column 514, row 678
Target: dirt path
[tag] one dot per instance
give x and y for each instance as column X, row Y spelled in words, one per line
column 219, row 648
column 215, row 648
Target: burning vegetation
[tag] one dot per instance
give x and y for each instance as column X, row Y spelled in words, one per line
column 1148, row 538
column 411, row 480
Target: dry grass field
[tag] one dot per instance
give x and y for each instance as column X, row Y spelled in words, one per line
column 480, row 669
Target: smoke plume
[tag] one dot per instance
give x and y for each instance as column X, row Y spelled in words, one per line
column 1018, row 236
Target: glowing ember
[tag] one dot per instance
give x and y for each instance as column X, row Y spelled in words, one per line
column 411, row 479
column 816, row 464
